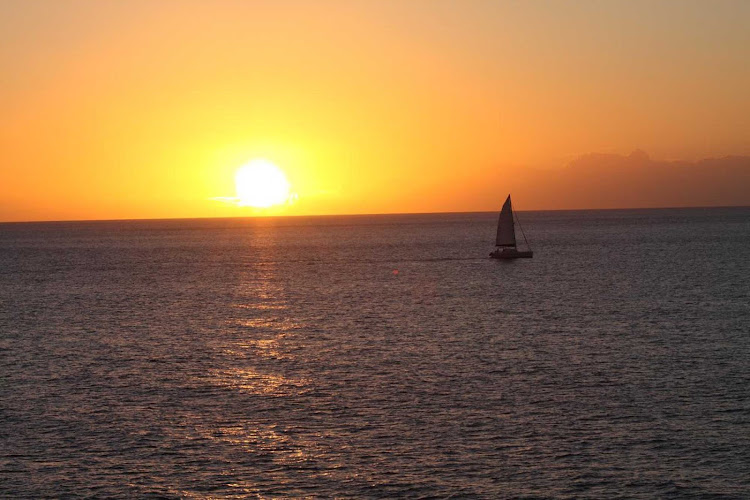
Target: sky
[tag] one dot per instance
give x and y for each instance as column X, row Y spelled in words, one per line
column 146, row 109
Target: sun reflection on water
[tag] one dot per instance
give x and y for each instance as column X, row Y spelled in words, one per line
column 256, row 352
column 260, row 329
column 257, row 382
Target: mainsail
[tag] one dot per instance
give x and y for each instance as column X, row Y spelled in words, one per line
column 506, row 234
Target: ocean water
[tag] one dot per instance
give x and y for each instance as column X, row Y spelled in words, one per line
column 377, row 357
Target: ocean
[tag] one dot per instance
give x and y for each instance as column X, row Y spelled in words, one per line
column 377, row 357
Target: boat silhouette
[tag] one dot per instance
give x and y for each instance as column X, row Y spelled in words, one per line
column 506, row 236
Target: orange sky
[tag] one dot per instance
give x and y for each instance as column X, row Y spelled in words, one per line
column 145, row 109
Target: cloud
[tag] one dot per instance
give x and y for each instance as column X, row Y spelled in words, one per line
column 631, row 181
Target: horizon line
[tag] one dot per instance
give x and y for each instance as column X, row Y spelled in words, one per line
column 140, row 219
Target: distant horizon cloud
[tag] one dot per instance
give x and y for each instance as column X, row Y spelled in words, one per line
column 634, row 180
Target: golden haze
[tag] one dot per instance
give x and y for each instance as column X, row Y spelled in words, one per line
column 146, row 109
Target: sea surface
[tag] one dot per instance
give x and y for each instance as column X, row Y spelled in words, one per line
column 377, row 357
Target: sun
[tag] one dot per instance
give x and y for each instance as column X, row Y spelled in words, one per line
column 261, row 184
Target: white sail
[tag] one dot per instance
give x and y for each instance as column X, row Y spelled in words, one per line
column 506, row 234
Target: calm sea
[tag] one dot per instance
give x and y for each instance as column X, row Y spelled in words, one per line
column 377, row 356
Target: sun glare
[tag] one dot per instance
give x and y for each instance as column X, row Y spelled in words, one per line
column 261, row 184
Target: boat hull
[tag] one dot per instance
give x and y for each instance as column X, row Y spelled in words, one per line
column 511, row 253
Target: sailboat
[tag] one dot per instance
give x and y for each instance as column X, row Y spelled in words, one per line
column 506, row 236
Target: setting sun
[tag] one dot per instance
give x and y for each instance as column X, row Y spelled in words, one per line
column 261, row 184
